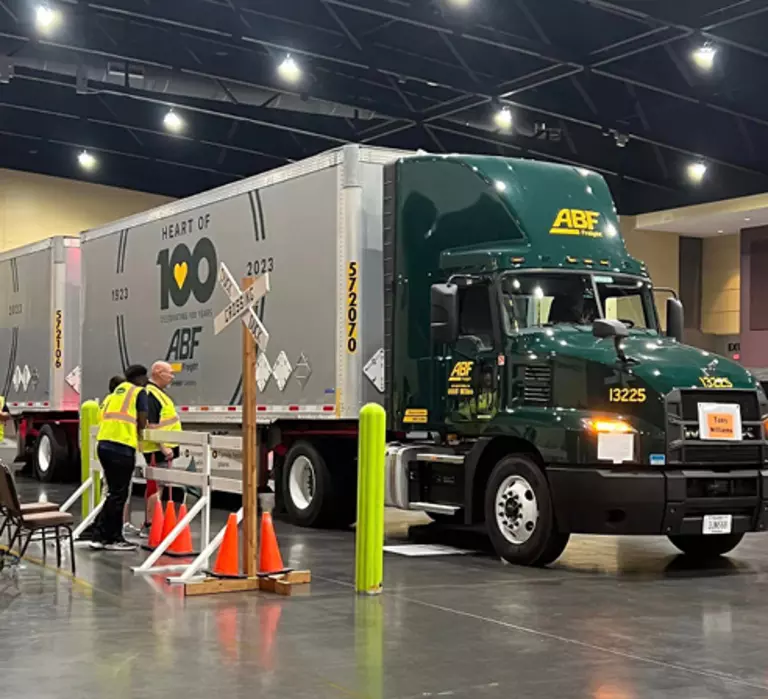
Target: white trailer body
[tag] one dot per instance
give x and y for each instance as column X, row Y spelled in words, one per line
column 151, row 291
column 40, row 326
column 40, row 349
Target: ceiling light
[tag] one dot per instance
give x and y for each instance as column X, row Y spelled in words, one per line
column 696, row 172
column 704, row 57
column 86, row 160
column 503, row 118
column 173, row 122
column 289, row 70
column 747, row 218
column 47, row 18
column 460, row 3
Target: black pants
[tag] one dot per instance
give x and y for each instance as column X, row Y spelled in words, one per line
column 118, row 470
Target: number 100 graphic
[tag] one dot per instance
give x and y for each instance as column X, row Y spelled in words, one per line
column 180, row 273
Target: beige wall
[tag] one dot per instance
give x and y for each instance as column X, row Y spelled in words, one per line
column 661, row 253
column 721, row 285
column 33, row 207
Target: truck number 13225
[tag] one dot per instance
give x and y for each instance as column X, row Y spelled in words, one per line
column 627, row 395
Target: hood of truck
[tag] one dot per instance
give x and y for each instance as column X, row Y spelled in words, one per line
column 662, row 363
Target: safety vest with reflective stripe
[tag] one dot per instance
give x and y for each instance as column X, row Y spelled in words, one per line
column 169, row 419
column 119, row 416
column 2, row 424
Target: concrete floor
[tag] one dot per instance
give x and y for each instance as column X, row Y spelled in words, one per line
column 614, row 619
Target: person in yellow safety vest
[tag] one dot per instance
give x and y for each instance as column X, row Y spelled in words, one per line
column 5, row 416
column 162, row 415
column 114, row 382
column 123, row 420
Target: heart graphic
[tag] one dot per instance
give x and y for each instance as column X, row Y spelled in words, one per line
column 180, row 273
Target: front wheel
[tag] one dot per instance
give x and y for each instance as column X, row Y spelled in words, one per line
column 519, row 514
column 706, row 546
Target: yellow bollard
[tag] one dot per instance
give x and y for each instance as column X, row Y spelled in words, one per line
column 369, row 542
column 89, row 416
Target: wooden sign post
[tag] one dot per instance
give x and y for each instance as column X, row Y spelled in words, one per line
column 255, row 335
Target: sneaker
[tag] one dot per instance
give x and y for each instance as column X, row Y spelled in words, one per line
column 130, row 530
column 121, row 546
column 97, row 545
column 144, row 531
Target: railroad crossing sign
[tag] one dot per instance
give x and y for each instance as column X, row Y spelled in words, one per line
column 241, row 305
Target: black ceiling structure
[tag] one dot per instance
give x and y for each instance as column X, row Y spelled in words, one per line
column 604, row 84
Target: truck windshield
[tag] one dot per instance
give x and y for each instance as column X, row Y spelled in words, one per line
column 533, row 299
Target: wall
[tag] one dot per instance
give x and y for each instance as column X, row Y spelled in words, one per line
column 721, row 284
column 754, row 285
column 661, row 253
column 33, row 207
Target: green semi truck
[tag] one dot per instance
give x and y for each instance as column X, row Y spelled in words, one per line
column 488, row 303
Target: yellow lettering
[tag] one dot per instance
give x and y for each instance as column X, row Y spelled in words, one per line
column 563, row 219
column 461, row 371
column 579, row 218
column 593, row 217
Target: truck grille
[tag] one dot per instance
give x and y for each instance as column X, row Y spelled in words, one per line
column 683, row 444
column 688, row 408
column 537, row 385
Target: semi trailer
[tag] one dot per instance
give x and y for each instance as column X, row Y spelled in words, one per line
column 488, row 303
column 40, row 351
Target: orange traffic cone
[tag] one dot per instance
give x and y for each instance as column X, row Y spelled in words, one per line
column 183, row 544
column 156, row 530
column 270, row 560
column 227, row 565
column 169, row 521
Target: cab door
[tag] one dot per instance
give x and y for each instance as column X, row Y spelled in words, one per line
column 472, row 390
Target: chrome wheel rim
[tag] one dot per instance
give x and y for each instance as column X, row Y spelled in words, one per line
column 301, row 483
column 44, row 453
column 517, row 510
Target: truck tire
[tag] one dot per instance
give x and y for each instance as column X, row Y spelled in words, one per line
column 313, row 494
column 706, row 546
column 519, row 514
column 51, row 458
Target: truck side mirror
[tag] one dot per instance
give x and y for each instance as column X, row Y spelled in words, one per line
column 444, row 313
column 604, row 328
column 675, row 318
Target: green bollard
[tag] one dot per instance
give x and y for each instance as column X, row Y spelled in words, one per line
column 89, row 416
column 369, row 543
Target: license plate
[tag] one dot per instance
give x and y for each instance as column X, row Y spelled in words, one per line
column 717, row 524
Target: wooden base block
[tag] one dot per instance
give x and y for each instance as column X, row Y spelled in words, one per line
column 213, row 586
column 285, row 584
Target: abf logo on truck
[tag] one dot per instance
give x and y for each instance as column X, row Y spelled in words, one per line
column 576, row 222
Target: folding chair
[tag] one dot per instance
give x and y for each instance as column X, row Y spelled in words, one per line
column 24, row 525
column 28, row 508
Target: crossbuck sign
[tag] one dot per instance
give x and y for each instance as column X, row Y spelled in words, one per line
column 241, row 305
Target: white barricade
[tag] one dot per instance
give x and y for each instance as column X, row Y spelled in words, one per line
column 202, row 455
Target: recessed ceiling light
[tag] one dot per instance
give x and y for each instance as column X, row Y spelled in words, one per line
column 460, row 3
column 87, row 161
column 289, row 70
column 173, row 122
column 747, row 218
column 720, row 231
column 503, row 118
column 704, row 57
column 47, row 18
column 696, row 172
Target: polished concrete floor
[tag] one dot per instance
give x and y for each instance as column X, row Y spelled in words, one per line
column 613, row 619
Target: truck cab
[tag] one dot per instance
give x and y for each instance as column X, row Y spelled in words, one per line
column 532, row 387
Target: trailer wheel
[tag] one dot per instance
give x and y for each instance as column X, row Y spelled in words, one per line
column 307, row 487
column 51, row 459
column 706, row 546
column 519, row 514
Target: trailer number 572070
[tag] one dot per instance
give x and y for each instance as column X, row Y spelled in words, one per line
column 353, row 307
